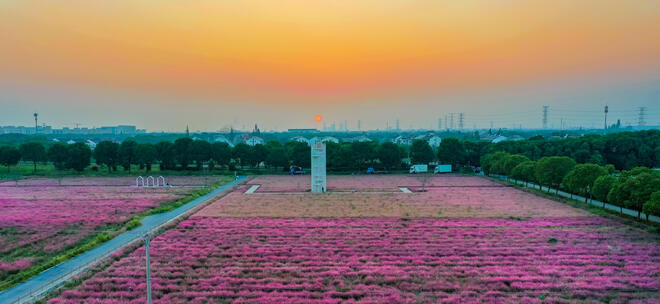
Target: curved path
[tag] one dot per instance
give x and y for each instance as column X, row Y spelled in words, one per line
column 39, row 285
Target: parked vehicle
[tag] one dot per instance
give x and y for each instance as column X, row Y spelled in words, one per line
column 373, row 171
column 293, row 170
column 442, row 169
column 419, row 169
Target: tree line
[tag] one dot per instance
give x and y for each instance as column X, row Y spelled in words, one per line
column 624, row 151
column 188, row 154
column 636, row 189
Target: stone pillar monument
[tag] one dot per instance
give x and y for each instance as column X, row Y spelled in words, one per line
column 318, row 168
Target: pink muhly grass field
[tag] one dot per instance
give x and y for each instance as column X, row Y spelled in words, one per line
column 48, row 218
column 386, row 260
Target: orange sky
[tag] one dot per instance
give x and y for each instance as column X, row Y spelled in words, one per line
column 300, row 52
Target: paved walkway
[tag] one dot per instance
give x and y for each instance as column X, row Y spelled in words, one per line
column 46, row 281
column 626, row 211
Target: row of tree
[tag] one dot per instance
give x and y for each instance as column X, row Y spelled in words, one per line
column 188, row 154
column 624, row 150
column 637, row 189
column 63, row 156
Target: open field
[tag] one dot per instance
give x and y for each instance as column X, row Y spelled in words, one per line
column 40, row 218
column 301, row 183
column 510, row 247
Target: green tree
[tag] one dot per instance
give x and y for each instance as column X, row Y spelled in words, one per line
column 127, row 154
column 389, row 155
column 258, row 154
column 421, row 152
column 9, row 156
column 79, row 157
column 550, row 171
column 241, row 154
column 276, row 155
column 452, row 151
column 338, row 156
column 221, row 153
column 363, row 154
column 511, row 161
column 299, row 154
column 146, row 155
column 602, row 186
column 58, row 154
column 524, row 171
column 581, row 179
column 200, row 151
column 182, row 151
column 634, row 188
column 488, row 161
column 652, row 206
column 165, row 155
column 107, row 153
column 34, row 152
column 641, row 188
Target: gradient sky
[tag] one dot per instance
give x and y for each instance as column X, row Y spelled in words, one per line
column 163, row 64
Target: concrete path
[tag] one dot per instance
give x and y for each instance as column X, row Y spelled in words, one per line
column 626, row 211
column 38, row 286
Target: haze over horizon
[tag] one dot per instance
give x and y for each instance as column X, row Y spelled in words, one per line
column 163, row 65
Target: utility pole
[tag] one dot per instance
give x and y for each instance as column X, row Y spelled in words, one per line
column 642, row 116
column 146, row 246
column 36, row 123
column 545, row 117
column 606, row 110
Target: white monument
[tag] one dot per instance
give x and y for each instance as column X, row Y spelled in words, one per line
column 318, row 168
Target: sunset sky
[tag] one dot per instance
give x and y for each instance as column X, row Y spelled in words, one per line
column 163, row 64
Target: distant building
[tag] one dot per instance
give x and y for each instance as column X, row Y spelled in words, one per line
column 91, row 144
column 224, row 140
column 330, row 139
column 434, row 141
column 403, row 140
column 303, row 130
column 500, row 138
column 254, row 140
column 301, row 139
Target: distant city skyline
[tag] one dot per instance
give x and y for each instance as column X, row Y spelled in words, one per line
column 212, row 65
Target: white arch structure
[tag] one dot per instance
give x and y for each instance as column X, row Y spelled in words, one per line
column 150, row 182
column 138, row 180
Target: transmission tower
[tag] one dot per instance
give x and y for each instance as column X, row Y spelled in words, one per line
column 642, row 116
column 461, row 116
column 545, row 117
column 606, row 110
column 451, row 121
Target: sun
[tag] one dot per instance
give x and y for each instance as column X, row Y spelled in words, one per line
column 318, row 118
